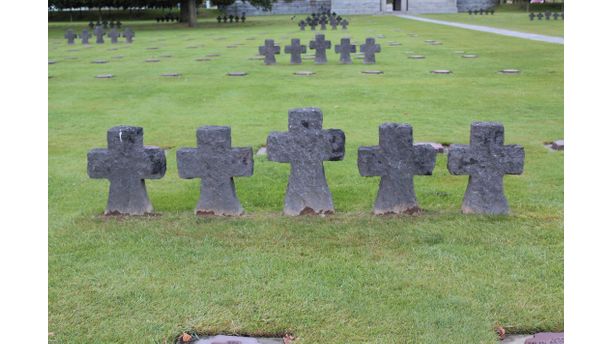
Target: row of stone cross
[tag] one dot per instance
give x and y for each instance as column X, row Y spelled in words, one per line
column 231, row 18
column 168, row 18
column 114, row 35
column 320, row 46
column 482, row 11
column 333, row 22
column 105, row 24
column 555, row 15
column 126, row 163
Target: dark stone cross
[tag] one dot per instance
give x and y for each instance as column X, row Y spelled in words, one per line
column 302, row 25
column 269, row 50
column 323, row 22
column 396, row 160
column 128, row 34
column 105, row 24
column 296, row 50
column 547, row 14
column 344, row 24
column 345, row 48
column 486, row 160
column 369, row 50
column 114, row 34
column 556, row 16
column 99, row 33
column 127, row 163
column 333, row 22
column 313, row 24
column 85, row 35
column 305, row 146
column 216, row 163
column 320, row 45
column 531, row 16
column 70, row 36
column 540, row 16
column 91, row 25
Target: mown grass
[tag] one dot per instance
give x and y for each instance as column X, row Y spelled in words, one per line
column 440, row 277
column 518, row 21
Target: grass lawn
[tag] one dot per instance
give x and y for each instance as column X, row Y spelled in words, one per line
column 517, row 21
column 440, row 277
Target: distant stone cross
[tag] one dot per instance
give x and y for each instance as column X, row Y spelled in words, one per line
column 540, row 15
column 396, row 160
column 556, row 16
column 333, row 22
column 128, row 34
column 531, row 16
column 99, row 33
column 313, row 24
column 127, row 163
column 344, row 24
column 296, row 50
column 320, row 45
column 486, row 160
column 302, row 25
column 269, row 50
column 323, row 22
column 114, row 34
column 216, row 163
column 345, row 48
column 85, row 35
column 305, row 146
column 70, row 36
column 369, row 49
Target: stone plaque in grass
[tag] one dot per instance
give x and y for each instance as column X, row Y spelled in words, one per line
column 372, row 72
column 510, row 71
column 152, row 48
column 470, row 56
column 171, row 75
column 417, row 57
column 104, row 76
column 165, row 56
column 237, row 74
column 441, row 71
column 152, row 60
column 99, row 61
column 201, row 59
column 213, row 55
column 546, row 338
column 304, row 73
column 558, row 145
column 52, row 62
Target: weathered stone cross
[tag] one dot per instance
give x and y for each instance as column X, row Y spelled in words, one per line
column 313, row 24
column 269, row 50
column 70, row 36
column 320, row 45
column 296, row 50
column 127, row 163
column 323, row 22
column 85, row 35
column 114, row 34
column 99, row 33
column 486, row 160
column 333, row 22
column 128, row 34
column 369, row 50
column 396, row 160
column 344, row 24
column 345, row 48
column 302, row 25
column 305, row 146
column 216, row 163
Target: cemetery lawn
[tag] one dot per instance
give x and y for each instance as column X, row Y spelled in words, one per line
column 517, row 21
column 441, row 277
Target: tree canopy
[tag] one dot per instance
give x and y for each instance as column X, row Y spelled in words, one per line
column 65, row 4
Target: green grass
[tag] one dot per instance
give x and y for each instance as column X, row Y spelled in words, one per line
column 440, row 277
column 507, row 20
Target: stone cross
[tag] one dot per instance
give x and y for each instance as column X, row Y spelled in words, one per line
column 486, row 160
column 344, row 24
column 345, row 48
column 128, row 34
column 105, row 24
column 333, row 22
column 369, row 49
column 313, row 24
column 296, row 50
column 85, row 35
column 91, row 25
column 302, row 25
column 396, row 160
column 540, row 15
column 269, row 50
column 320, row 45
column 127, row 163
column 99, row 33
column 70, row 36
column 305, row 146
column 216, row 163
column 556, row 16
column 323, row 22
column 114, row 34
column 531, row 16
column 547, row 14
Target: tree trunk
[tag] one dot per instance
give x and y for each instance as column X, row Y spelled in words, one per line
column 184, row 15
column 192, row 13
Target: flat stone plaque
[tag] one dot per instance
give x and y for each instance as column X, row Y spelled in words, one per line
column 99, row 61
column 372, row 72
column 510, row 71
column 166, row 56
column 213, row 55
column 170, row 74
column 417, row 57
column 200, row 59
column 52, row 62
column 558, row 145
column 304, row 73
column 546, row 338
column 237, row 73
column 152, row 60
column 441, row 71
column 152, row 48
column 104, row 76
column 470, row 56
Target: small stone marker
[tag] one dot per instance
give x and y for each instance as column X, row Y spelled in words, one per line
column 200, row 59
column 99, row 33
column 304, row 73
column 70, row 36
column 52, row 62
column 441, row 71
column 170, row 75
column 486, row 160
column 344, row 24
column 126, row 164
column 237, row 74
column 216, row 163
column 222, row 339
column 313, row 25
column 323, row 23
column 540, row 15
column 320, row 45
column 556, row 15
column 369, row 50
column 546, row 338
column 531, row 16
column 85, row 35
column 558, row 145
column 302, row 25
column 305, row 146
column 152, row 48
column 128, row 34
column 104, row 76
column 296, row 50
column 417, row 57
column 510, row 71
column 372, row 72
column 469, row 56
column 333, row 22
column 396, row 160
column 114, row 35
column 212, row 55
column 99, row 61
column 269, row 49
column 151, row 60
column 345, row 48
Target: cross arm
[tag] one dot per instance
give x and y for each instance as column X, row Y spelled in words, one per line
column 278, row 147
column 336, row 140
column 512, row 159
column 98, row 163
column 188, row 163
column 424, row 160
column 370, row 161
column 241, row 163
column 461, row 160
column 153, row 163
